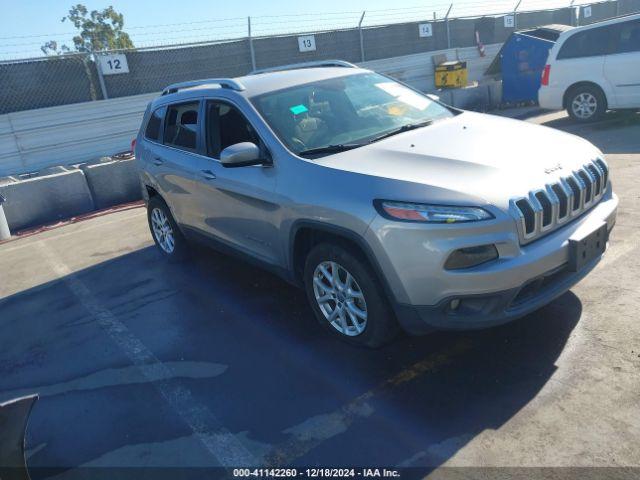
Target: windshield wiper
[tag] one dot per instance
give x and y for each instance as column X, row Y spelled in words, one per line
column 342, row 147
column 402, row 129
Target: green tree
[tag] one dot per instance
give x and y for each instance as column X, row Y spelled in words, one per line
column 97, row 31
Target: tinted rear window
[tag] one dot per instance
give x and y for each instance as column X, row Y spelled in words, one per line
column 153, row 127
column 627, row 37
column 181, row 126
column 589, row 43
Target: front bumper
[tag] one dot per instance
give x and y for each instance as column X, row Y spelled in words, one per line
column 484, row 311
column 522, row 280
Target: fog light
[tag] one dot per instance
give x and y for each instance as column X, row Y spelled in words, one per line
column 471, row 257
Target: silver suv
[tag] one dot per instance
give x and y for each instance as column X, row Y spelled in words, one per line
column 390, row 208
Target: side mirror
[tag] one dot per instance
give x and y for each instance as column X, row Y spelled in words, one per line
column 241, row 155
column 433, row 97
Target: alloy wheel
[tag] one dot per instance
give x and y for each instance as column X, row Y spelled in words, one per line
column 162, row 230
column 584, row 105
column 340, row 298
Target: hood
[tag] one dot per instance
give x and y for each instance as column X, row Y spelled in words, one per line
column 483, row 156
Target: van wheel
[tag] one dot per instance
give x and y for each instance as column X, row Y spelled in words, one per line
column 347, row 298
column 165, row 232
column 586, row 103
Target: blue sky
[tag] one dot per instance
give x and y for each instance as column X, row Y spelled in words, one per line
column 27, row 24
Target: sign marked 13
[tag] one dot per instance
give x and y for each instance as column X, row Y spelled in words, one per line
column 307, row 43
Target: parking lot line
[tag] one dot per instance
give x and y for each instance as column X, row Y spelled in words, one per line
column 219, row 442
column 312, row 432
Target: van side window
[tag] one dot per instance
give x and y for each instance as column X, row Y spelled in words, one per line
column 181, row 126
column 226, row 126
column 627, row 37
column 152, row 131
column 589, row 43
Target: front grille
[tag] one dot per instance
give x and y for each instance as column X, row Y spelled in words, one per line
column 546, row 209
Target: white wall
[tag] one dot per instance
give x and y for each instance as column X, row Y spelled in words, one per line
column 35, row 139
column 417, row 70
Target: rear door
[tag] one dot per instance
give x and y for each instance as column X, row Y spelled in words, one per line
column 581, row 58
column 175, row 162
column 622, row 65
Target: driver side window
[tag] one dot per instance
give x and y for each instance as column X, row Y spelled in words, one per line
column 226, row 126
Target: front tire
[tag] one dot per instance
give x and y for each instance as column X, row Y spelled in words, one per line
column 586, row 103
column 347, row 298
column 165, row 232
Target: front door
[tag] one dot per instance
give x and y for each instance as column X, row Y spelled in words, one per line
column 238, row 205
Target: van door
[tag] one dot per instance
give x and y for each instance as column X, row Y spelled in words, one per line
column 239, row 205
column 622, row 65
column 581, row 59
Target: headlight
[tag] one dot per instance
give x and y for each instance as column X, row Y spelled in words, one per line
column 420, row 212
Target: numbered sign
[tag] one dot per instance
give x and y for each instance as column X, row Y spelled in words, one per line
column 509, row 21
column 587, row 11
column 425, row 30
column 307, row 43
column 113, row 64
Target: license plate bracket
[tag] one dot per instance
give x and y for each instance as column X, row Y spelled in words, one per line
column 582, row 251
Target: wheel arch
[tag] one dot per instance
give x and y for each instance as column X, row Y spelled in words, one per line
column 305, row 234
column 583, row 83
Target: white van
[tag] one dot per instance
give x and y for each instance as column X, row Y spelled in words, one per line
column 593, row 69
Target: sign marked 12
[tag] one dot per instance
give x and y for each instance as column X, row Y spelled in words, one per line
column 113, row 64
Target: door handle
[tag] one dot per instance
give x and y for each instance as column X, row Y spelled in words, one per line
column 157, row 161
column 208, row 175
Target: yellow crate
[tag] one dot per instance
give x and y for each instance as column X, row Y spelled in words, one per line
column 452, row 74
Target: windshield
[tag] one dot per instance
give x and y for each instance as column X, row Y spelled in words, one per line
column 321, row 117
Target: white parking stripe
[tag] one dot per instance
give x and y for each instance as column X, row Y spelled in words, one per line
column 314, row 431
column 222, row 444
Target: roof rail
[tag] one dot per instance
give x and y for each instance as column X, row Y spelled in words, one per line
column 316, row 64
column 223, row 82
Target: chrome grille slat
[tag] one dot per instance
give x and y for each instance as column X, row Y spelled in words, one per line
column 569, row 197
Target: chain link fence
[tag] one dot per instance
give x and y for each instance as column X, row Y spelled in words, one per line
column 60, row 80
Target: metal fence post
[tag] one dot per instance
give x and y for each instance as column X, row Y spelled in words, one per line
column 5, row 233
column 515, row 15
column 103, row 87
column 361, row 36
column 251, row 50
column 446, row 21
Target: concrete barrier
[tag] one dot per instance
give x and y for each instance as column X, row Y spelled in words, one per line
column 475, row 97
column 112, row 183
column 46, row 199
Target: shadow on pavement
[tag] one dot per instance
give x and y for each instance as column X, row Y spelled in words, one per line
column 616, row 133
column 295, row 395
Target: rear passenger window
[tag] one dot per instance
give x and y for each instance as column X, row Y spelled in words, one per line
column 589, row 43
column 181, row 126
column 627, row 37
column 155, row 122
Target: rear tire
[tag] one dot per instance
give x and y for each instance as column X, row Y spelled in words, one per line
column 586, row 103
column 347, row 298
column 165, row 232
